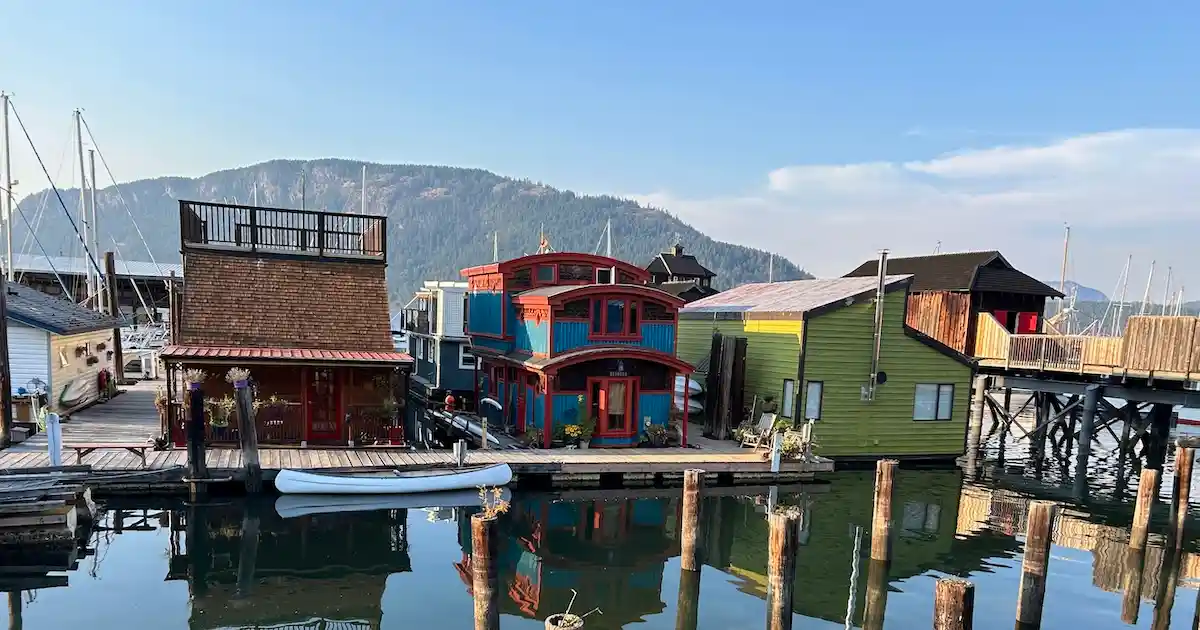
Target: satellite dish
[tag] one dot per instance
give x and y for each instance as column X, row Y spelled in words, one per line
column 880, row 377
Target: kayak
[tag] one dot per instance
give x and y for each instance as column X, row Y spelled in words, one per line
column 693, row 405
column 693, row 386
column 293, row 505
column 392, row 481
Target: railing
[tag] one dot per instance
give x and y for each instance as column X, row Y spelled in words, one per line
column 417, row 321
column 366, row 425
column 1159, row 345
column 275, row 230
column 276, row 424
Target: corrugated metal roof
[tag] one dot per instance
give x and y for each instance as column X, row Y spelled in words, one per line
column 54, row 314
column 284, row 354
column 796, row 296
column 76, row 265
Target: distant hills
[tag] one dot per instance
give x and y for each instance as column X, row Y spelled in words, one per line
column 441, row 218
column 1085, row 294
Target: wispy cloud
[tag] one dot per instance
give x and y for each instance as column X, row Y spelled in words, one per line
column 1128, row 191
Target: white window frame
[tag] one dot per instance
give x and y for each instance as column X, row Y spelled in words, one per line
column 463, row 353
column 789, row 398
column 809, row 396
column 943, row 402
column 420, row 348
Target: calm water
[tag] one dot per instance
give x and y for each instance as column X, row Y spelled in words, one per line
column 619, row 550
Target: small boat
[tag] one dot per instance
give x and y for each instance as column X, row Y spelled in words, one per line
column 392, row 481
column 693, row 405
column 693, row 386
column 73, row 394
column 293, row 505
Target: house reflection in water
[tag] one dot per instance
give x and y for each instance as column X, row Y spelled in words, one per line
column 320, row 571
column 613, row 552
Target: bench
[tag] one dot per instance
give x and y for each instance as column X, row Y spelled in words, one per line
column 83, row 450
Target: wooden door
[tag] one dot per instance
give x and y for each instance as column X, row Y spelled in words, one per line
column 612, row 403
column 323, row 413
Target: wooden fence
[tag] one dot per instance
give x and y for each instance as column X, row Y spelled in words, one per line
column 1166, row 347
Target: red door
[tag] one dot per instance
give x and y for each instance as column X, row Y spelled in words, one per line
column 324, row 421
column 612, row 403
column 1027, row 323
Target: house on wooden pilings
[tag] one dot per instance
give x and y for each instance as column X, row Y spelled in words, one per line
column 950, row 290
column 300, row 299
column 551, row 328
column 681, row 275
column 810, row 346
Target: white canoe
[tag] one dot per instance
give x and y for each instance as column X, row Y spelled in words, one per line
column 693, row 386
column 392, row 481
column 693, row 405
column 293, row 505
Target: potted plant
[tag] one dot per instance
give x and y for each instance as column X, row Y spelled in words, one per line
column 532, row 437
column 586, row 429
column 654, row 436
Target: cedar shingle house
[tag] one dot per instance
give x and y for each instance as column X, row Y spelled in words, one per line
column 300, row 299
column 950, row 290
column 681, row 275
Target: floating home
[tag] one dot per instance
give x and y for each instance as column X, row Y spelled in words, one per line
column 949, row 291
column 57, row 348
column 553, row 327
column 300, row 299
column 681, row 275
column 443, row 363
column 811, row 348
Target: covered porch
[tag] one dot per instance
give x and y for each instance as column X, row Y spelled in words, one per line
column 300, row 398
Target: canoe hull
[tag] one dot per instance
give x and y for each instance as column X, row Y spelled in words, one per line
column 293, row 505
column 693, row 386
column 302, row 482
column 694, row 406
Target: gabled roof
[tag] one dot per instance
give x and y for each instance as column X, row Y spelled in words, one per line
column 54, row 314
column 679, row 265
column 962, row 271
column 794, row 297
column 561, row 293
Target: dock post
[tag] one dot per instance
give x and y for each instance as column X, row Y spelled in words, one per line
column 484, row 572
column 114, row 310
column 1141, row 511
column 248, row 554
column 1159, row 435
column 877, row 589
column 1181, row 492
column 198, row 551
column 881, row 519
column 14, row 610
column 1135, row 554
column 693, row 485
column 953, row 604
column 1032, row 593
column 1168, row 583
column 197, row 467
column 975, row 433
column 782, row 545
column 1087, row 427
column 247, row 430
column 687, row 610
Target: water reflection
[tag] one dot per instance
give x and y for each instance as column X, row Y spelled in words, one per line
column 243, row 565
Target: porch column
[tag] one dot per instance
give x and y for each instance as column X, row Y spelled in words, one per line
column 547, row 419
column 304, row 407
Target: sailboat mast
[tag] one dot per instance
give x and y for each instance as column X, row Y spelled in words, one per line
column 101, row 298
column 1062, row 281
column 1166, row 292
column 83, row 206
column 1146, row 295
column 7, row 196
column 771, row 269
column 1124, row 292
column 364, row 190
column 612, row 273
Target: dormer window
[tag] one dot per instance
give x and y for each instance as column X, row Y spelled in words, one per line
column 545, row 274
column 604, row 276
column 614, row 317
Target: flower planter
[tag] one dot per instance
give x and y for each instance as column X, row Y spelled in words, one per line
column 584, row 443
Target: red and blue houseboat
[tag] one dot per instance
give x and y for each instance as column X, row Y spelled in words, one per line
column 551, row 327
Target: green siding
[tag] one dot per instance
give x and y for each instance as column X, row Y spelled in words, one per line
column 772, row 350
column 839, row 354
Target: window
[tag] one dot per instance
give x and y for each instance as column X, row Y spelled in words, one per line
column 812, row 400
column 545, row 274
column 933, row 402
column 575, row 273
column 789, row 398
column 614, row 317
column 604, row 276
column 466, row 360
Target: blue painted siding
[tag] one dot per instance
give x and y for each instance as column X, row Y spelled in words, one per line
column 532, row 336
column 531, row 403
column 485, row 309
column 656, row 406
column 615, row 441
column 454, row 377
column 657, row 336
column 494, row 344
column 648, row 512
column 510, row 312
column 564, row 408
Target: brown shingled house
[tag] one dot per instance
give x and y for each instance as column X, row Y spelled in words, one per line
column 950, row 290
column 681, row 275
column 300, row 299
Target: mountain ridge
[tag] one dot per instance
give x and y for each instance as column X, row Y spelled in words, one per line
column 441, row 218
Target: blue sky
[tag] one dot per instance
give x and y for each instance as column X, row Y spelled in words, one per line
column 689, row 105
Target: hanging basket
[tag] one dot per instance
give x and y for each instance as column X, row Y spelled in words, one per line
column 564, row 621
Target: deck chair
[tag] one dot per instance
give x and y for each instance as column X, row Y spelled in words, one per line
column 761, row 434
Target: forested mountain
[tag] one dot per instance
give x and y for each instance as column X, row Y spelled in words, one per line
column 441, row 218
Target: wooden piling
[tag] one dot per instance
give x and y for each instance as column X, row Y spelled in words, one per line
column 782, row 545
column 484, row 542
column 14, row 611
column 197, row 467
column 877, row 590
column 1032, row 593
column 114, row 310
column 975, row 432
column 687, row 610
column 248, row 432
column 248, row 554
column 1168, row 583
column 198, row 549
column 1185, row 456
column 1131, row 584
column 693, row 484
column 1147, row 488
column 1087, row 427
column 953, row 604
column 881, row 520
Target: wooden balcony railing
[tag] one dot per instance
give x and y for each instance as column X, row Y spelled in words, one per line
column 370, row 425
column 1164, row 346
column 282, row 231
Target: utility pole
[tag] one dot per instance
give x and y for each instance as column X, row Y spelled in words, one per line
column 8, row 196
column 101, row 297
